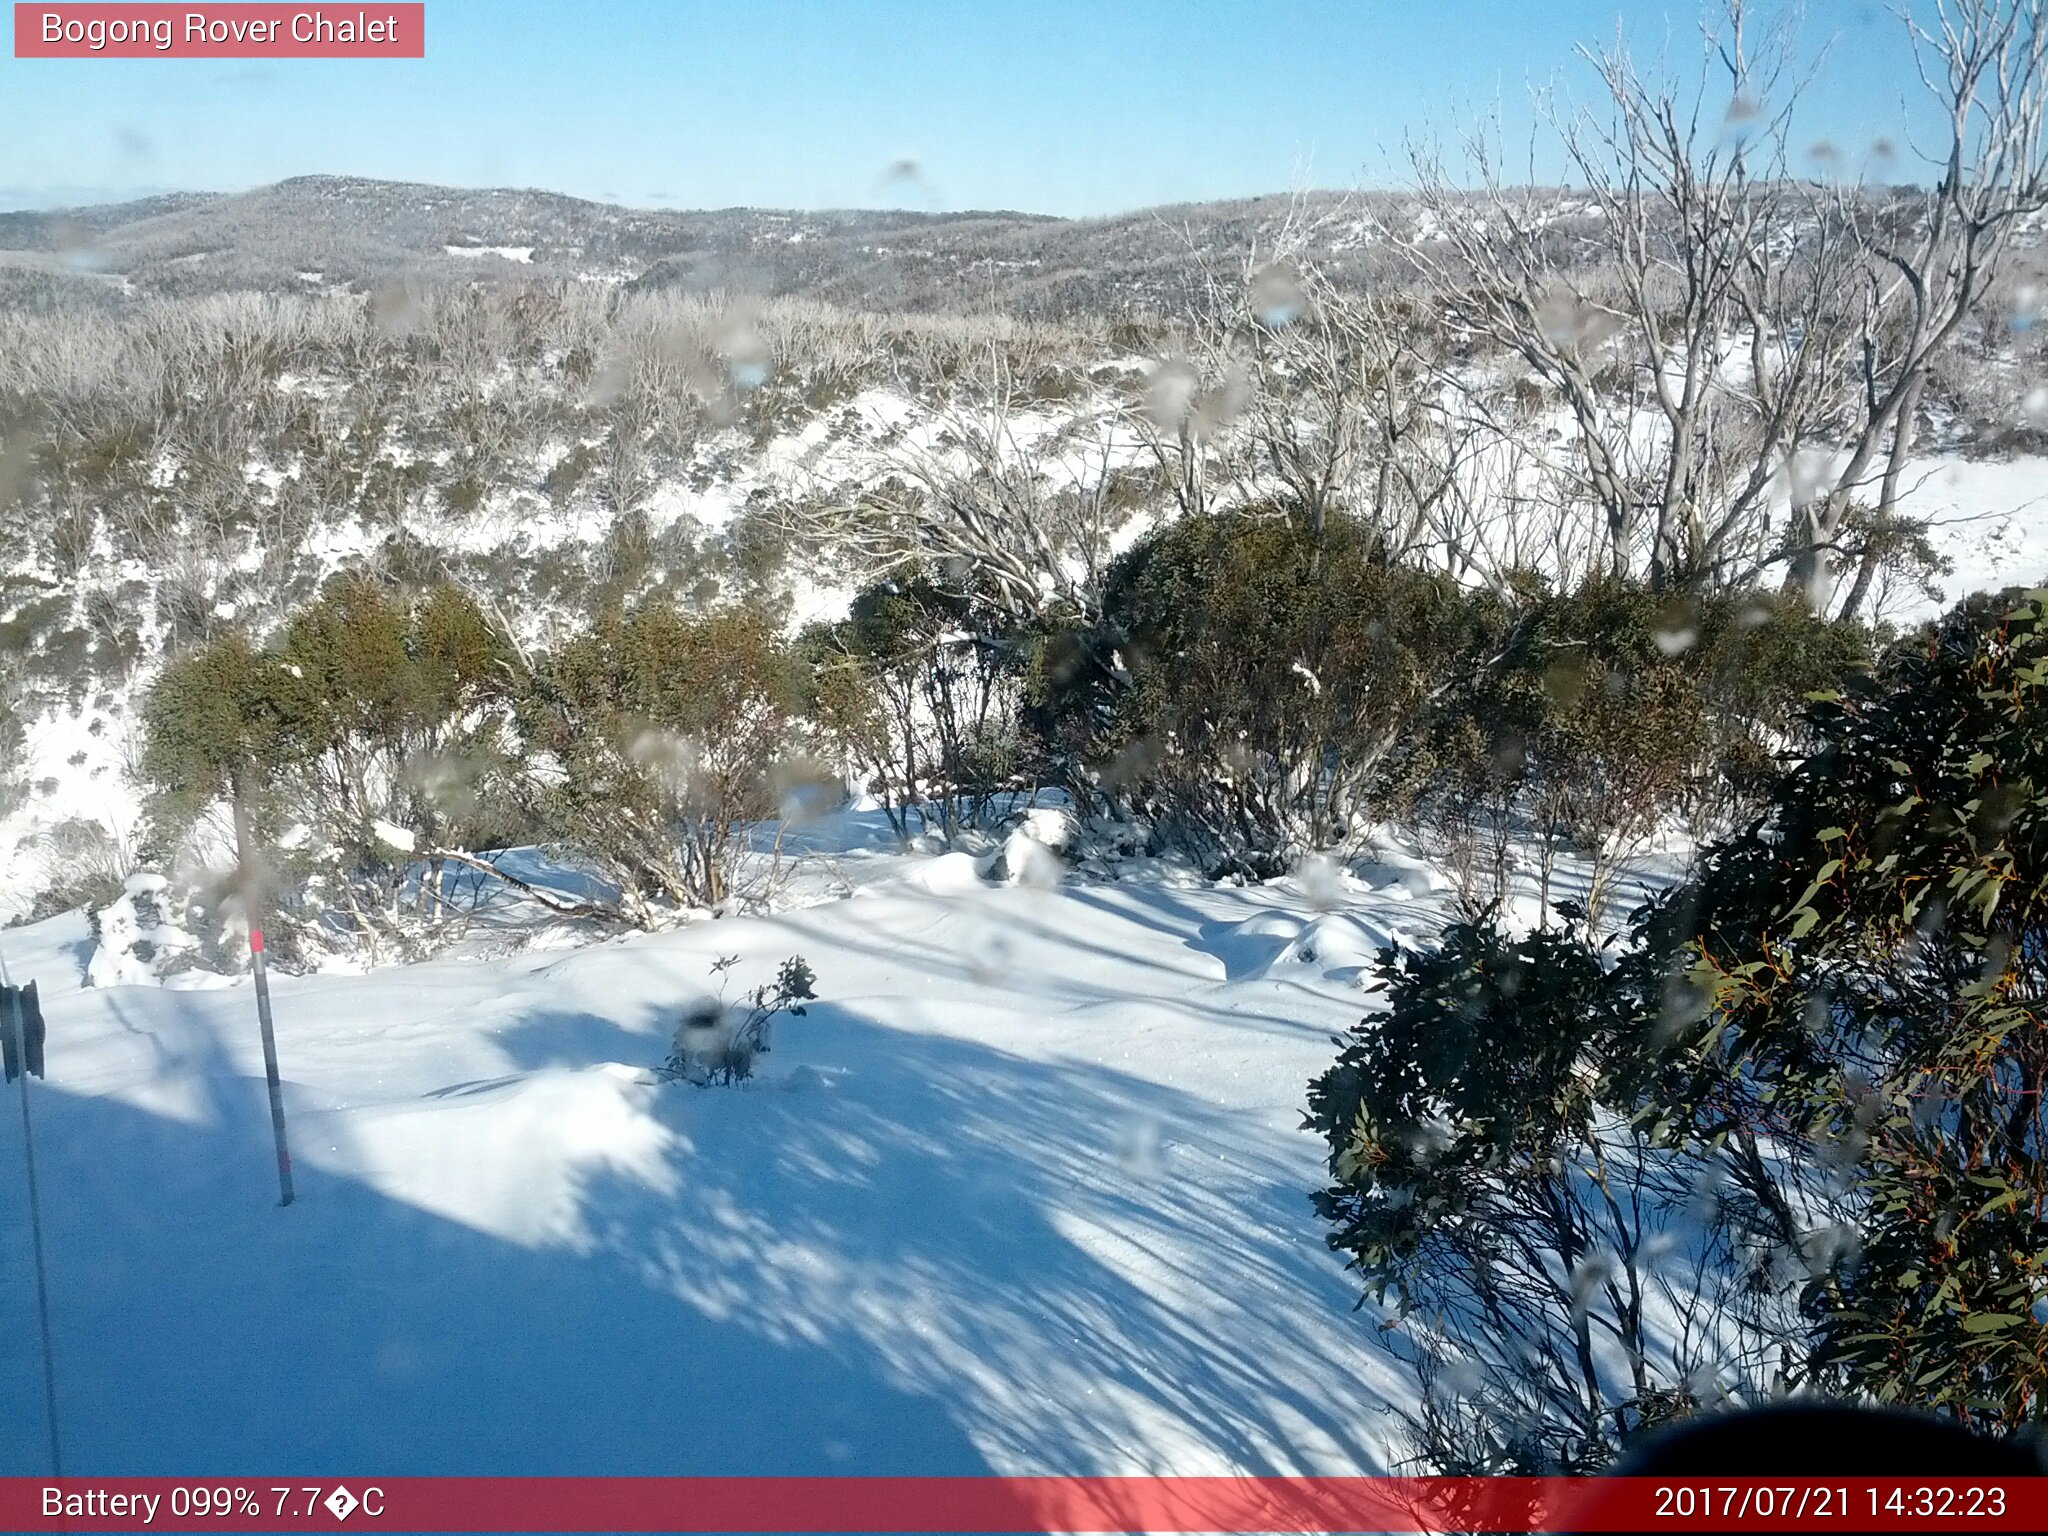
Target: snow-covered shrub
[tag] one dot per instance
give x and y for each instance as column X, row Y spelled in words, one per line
column 1038, row 846
column 139, row 936
column 717, row 1041
column 84, row 865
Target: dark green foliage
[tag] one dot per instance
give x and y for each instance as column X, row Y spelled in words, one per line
column 1269, row 674
column 222, row 715
column 1274, row 688
column 568, row 474
column 1475, row 1067
column 1874, row 964
column 1838, row 1031
column 13, row 737
column 1479, row 1192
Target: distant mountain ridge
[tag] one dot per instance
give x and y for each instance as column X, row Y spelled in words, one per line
column 353, row 232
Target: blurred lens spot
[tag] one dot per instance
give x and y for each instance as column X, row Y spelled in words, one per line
column 395, row 309
column 1321, row 882
column 745, row 355
column 1677, row 629
column 1170, row 394
column 807, row 792
column 1808, row 476
column 989, row 962
column 1565, row 682
column 1138, row 1150
column 1276, row 297
column 1744, row 115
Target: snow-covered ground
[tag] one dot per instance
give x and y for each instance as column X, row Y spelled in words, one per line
column 1988, row 517
column 1025, row 1192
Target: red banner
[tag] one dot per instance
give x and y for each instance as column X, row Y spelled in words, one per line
column 1023, row 1504
column 360, row 31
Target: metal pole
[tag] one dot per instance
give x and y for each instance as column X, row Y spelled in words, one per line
column 253, row 907
column 19, row 1036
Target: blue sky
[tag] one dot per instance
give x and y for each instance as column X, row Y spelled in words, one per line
column 1056, row 107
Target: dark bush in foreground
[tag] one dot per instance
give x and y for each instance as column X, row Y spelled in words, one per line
column 1872, row 965
column 1791, row 1135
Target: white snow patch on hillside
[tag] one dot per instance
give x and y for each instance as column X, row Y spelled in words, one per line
column 522, row 254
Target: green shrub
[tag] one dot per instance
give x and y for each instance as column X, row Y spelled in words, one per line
column 662, row 733
column 1799, row 1117
column 13, row 742
column 219, row 720
column 1480, row 1195
column 377, row 709
column 1606, row 712
column 1868, row 980
column 920, row 687
column 1268, row 677
column 86, row 864
column 568, row 474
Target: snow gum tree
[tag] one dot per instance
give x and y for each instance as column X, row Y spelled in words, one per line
column 218, row 723
column 1777, row 332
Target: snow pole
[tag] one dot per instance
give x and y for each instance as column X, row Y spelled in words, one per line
column 284, row 1151
column 18, row 1056
column 252, row 906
